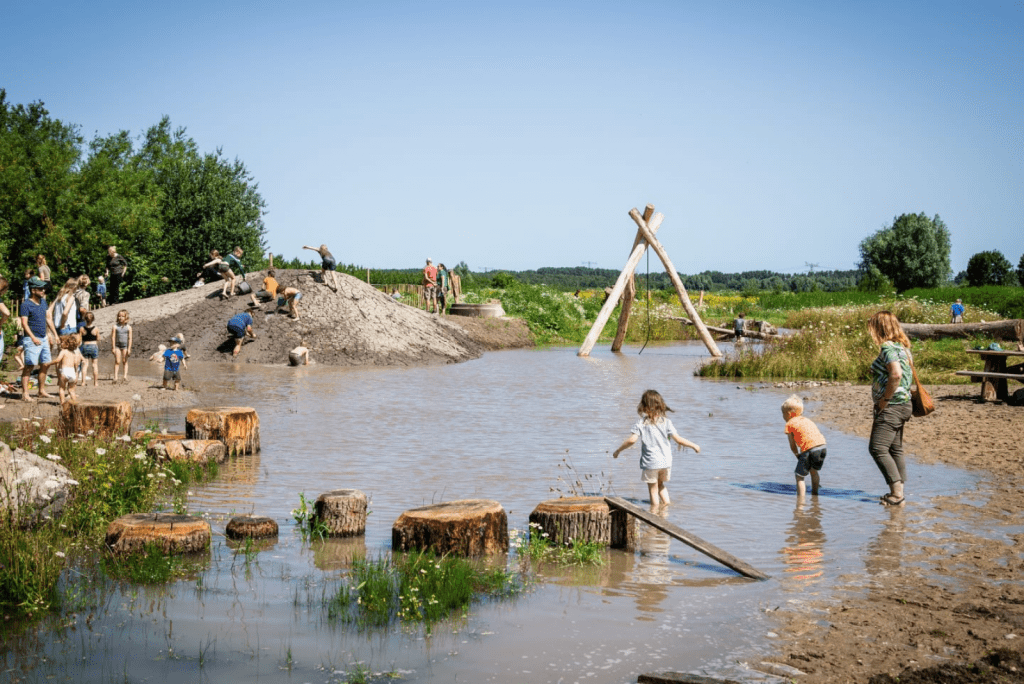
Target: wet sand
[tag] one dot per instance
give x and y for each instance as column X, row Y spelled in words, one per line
column 942, row 584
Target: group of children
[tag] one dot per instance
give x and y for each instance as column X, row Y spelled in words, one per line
column 655, row 432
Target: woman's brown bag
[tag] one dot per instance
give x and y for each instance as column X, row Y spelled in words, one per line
column 919, row 397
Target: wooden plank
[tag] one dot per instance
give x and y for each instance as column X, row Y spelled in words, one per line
column 999, row 376
column 691, row 540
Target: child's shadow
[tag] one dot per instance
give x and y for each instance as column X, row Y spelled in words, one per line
column 789, row 489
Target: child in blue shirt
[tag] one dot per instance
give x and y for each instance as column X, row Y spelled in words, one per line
column 174, row 358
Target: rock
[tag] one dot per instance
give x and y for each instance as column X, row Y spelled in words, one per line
column 33, row 488
column 187, row 450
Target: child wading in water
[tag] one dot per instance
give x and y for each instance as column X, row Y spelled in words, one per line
column 67, row 366
column 654, row 430
column 806, row 442
column 173, row 359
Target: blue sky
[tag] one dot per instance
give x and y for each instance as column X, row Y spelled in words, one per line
column 518, row 135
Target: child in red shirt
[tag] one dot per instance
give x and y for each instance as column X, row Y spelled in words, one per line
column 806, row 442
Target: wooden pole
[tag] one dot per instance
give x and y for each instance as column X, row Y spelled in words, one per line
column 705, row 336
column 630, row 294
column 682, row 535
column 620, row 286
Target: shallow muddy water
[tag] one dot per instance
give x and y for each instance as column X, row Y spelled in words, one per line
column 512, row 426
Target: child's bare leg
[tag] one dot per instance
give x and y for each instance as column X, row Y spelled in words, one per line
column 95, row 372
column 117, row 362
column 61, row 386
column 815, row 482
column 124, row 365
column 71, row 392
column 663, row 491
column 652, row 488
column 801, row 487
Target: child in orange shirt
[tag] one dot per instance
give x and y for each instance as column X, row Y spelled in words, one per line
column 806, row 442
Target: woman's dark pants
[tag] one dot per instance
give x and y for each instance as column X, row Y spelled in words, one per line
column 886, row 444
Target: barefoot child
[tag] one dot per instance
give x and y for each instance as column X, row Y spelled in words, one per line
column 327, row 265
column 101, row 291
column 67, row 367
column 173, row 358
column 654, row 430
column 289, row 296
column 806, row 442
column 121, row 342
column 90, row 348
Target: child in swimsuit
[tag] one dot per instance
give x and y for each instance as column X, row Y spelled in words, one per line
column 67, row 366
column 121, row 342
column 327, row 265
column 90, row 349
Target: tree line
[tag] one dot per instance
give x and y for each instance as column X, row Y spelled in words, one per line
column 158, row 198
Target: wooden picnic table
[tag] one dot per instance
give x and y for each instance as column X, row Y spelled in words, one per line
column 996, row 374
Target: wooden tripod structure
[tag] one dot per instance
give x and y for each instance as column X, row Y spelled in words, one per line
column 647, row 226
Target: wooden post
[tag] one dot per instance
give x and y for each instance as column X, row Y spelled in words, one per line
column 630, row 294
column 705, row 336
column 620, row 286
column 270, row 262
column 692, row 540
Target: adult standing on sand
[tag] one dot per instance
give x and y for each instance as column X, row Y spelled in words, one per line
column 890, row 393
column 117, row 269
column 35, row 322
column 430, row 285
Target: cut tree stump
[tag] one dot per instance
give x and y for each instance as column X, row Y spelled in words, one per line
column 238, row 427
column 342, row 512
column 173, row 533
column 585, row 518
column 474, row 527
column 104, row 419
column 250, row 526
column 187, row 450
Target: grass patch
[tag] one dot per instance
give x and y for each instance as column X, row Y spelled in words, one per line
column 149, row 566
column 534, row 544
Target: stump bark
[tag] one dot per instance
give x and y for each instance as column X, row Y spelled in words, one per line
column 342, row 512
column 474, row 527
column 585, row 518
column 187, row 450
column 105, row 419
column 254, row 526
column 238, row 427
column 173, row 533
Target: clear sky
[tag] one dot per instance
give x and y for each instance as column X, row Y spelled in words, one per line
column 519, row 134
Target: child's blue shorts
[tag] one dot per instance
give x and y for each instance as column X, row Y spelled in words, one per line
column 812, row 459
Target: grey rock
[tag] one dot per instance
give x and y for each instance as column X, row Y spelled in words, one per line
column 32, row 488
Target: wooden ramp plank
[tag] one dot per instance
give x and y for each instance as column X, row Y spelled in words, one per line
column 726, row 559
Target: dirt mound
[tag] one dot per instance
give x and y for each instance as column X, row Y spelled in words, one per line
column 355, row 326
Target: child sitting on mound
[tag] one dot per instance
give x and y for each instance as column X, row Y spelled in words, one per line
column 806, row 442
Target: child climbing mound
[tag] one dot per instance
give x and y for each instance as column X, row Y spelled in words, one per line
column 806, row 442
column 654, row 430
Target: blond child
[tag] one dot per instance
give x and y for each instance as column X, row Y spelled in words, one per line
column 121, row 342
column 327, row 265
column 67, row 362
column 654, row 430
column 806, row 442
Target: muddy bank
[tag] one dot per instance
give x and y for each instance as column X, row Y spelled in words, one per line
column 942, row 583
column 355, row 326
column 495, row 334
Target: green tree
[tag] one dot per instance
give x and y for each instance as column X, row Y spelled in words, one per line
column 988, row 268
column 912, row 252
column 1020, row 271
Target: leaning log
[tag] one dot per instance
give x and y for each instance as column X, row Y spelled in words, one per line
column 692, row 540
column 584, row 518
column 1012, row 330
column 103, row 419
column 342, row 512
column 629, row 294
column 172, row 533
column 473, row 527
column 238, row 427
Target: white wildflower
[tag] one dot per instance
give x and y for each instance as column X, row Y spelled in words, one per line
column 140, row 456
column 35, row 423
column 100, row 451
column 44, row 438
column 51, row 431
column 53, row 457
column 125, row 438
column 91, row 432
column 59, row 554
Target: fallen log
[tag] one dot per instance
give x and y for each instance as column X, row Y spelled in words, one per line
column 708, row 549
column 474, row 527
column 1012, row 330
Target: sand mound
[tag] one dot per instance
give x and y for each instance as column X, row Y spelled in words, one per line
column 355, row 326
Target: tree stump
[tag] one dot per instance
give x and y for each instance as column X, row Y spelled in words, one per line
column 474, row 527
column 237, row 427
column 104, row 419
column 585, row 518
column 250, row 526
column 342, row 512
column 187, row 450
column 173, row 533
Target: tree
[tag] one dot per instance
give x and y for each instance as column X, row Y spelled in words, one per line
column 1020, row 271
column 912, row 252
column 988, row 268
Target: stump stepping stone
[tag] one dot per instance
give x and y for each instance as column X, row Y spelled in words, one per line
column 251, row 526
column 473, row 527
column 238, row 427
column 106, row 419
column 175, row 534
column 342, row 512
column 585, row 518
column 187, row 450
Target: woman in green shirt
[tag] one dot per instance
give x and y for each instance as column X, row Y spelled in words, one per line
column 890, row 393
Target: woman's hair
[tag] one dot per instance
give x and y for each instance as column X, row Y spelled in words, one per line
column 70, row 285
column 793, row 405
column 71, row 342
column 3, row 285
column 89, row 318
column 652, row 406
column 885, row 327
column 83, row 280
column 122, row 315
column 214, row 253
column 40, row 260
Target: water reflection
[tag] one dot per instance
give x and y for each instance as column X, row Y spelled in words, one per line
column 805, row 545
